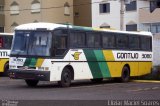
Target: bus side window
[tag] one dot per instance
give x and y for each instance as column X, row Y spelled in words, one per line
column 77, row 39
column 108, row 40
column 122, row 41
column 146, row 43
column 1, row 42
column 94, row 40
column 60, row 44
column 134, row 42
column 8, row 42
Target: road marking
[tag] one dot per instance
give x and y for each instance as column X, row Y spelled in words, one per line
column 147, row 81
column 154, row 88
column 144, row 89
column 91, row 86
column 136, row 90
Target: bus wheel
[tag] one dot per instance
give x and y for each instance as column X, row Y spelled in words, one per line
column 31, row 83
column 65, row 78
column 125, row 74
column 6, row 67
column 97, row 80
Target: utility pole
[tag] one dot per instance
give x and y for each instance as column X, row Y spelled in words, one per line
column 122, row 15
column 41, row 11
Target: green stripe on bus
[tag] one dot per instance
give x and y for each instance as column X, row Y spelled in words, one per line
column 30, row 62
column 102, row 64
column 93, row 64
column 33, row 62
column 27, row 62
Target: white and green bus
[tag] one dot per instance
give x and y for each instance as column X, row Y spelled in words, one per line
column 62, row 53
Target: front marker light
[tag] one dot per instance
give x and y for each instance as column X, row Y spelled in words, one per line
column 43, row 68
column 47, row 68
column 12, row 67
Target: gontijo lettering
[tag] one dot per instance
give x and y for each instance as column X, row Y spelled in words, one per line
column 127, row 55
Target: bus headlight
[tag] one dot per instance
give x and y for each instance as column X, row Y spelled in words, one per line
column 12, row 67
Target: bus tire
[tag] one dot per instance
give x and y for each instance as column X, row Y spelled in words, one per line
column 66, row 78
column 125, row 76
column 97, row 80
column 6, row 68
column 31, row 83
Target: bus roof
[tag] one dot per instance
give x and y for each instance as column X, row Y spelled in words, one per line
column 35, row 26
column 52, row 26
column 6, row 34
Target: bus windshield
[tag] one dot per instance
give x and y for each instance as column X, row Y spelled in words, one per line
column 32, row 43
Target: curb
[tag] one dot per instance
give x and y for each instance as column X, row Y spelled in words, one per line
column 147, row 81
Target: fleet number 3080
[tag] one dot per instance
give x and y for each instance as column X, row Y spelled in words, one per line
column 146, row 56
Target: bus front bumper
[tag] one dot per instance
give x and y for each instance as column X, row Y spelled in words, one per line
column 29, row 74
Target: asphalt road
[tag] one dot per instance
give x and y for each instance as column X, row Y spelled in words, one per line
column 80, row 90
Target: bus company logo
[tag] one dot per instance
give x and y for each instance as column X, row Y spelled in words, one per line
column 76, row 55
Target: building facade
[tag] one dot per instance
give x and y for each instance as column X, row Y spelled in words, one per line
column 136, row 15
column 149, row 17
column 109, row 12
column 2, row 16
column 27, row 11
column 82, row 12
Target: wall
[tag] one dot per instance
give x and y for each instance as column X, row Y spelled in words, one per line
column 54, row 15
column 156, row 50
column 82, row 13
column 112, row 18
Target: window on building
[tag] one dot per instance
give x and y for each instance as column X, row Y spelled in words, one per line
column 76, row 14
column 35, row 21
column 158, row 29
column 131, row 6
column 104, row 8
column 14, row 8
column 155, row 28
column 154, row 4
column 66, row 9
column 131, row 27
column 158, row 4
column 13, row 26
column 1, row 9
column 104, row 26
column 1, row 29
column 35, row 6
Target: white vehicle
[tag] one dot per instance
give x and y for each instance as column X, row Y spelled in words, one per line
column 54, row 52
